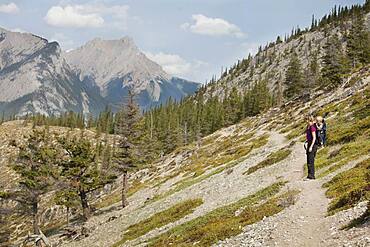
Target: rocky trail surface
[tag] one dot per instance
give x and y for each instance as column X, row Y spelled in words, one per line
column 305, row 224
column 217, row 191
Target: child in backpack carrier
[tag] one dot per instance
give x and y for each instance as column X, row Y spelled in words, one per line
column 321, row 131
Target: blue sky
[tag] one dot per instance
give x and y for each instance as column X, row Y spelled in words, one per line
column 192, row 39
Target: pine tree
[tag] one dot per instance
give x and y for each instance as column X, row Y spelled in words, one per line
column 127, row 128
column 313, row 22
column 68, row 198
column 358, row 45
column 335, row 62
column 279, row 93
column 35, row 165
column 294, row 77
column 146, row 144
column 278, row 40
column 80, row 172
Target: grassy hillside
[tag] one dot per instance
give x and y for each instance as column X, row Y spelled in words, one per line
column 229, row 166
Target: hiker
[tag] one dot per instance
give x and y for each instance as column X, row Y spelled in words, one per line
column 311, row 146
column 321, row 130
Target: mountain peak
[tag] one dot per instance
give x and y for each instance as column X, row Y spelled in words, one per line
column 36, row 76
column 113, row 65
column 124, row 42
column 106, row 59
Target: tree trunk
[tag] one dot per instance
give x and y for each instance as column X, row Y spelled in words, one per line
column 85, row 205
column 35, row 219
column 67, row 216
column 124, row 189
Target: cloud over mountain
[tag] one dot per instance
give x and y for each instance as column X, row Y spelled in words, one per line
column 176, row 65
column 87, row 16
column 10, row 8
column 212, row 26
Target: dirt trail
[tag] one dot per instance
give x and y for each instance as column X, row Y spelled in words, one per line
column 303, row 224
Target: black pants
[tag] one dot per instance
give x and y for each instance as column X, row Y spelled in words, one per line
column 311, row 160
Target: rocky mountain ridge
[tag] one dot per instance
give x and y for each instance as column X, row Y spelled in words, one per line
column 271, row 61
column 37, row 77
column 34, row 77
column 112, row 66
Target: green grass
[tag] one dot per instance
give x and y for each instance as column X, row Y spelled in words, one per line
column 162, row 218
column 295, row 125
column 115, row 197
column 349, row 129
column 223, row 222
column 298, row 130
column 210, row 139
column 271, row 159
column 343, row 131
column 349, row 187
column 347, row 152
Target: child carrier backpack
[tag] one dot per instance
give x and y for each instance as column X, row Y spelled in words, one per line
column 319, row 136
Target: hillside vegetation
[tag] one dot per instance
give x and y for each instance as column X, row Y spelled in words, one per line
column 224, row 167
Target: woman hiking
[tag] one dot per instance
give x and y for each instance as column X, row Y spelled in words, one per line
column 311, row 147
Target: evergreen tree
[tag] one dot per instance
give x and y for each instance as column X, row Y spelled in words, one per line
column 358, row 45
column 335, row 62
column 294, row 77
column 80, row 173
column 279, row 92
column 313, row 69
column 35, row 166
column 232, row 105
column 126, row 155
column 68, row 198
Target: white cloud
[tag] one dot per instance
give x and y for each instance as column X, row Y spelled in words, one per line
column 72, row 16
column 175, row 65
column 10, row 8
column 171, row 63
column 212, row 26
column 65, row 42
column 88, row 16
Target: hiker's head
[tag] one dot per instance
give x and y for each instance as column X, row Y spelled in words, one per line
column 319, row 119
column 310, row 119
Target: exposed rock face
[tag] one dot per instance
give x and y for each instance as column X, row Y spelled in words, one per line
column 111, row 66
column 36, row 76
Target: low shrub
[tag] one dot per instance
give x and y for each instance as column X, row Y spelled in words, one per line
column 349, row 187
column 163, row 218
column 271, row 159
column 225, row 221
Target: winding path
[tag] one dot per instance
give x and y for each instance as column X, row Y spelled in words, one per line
column 302, row 224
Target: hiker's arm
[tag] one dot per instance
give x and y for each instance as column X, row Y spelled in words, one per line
column 313, row 140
